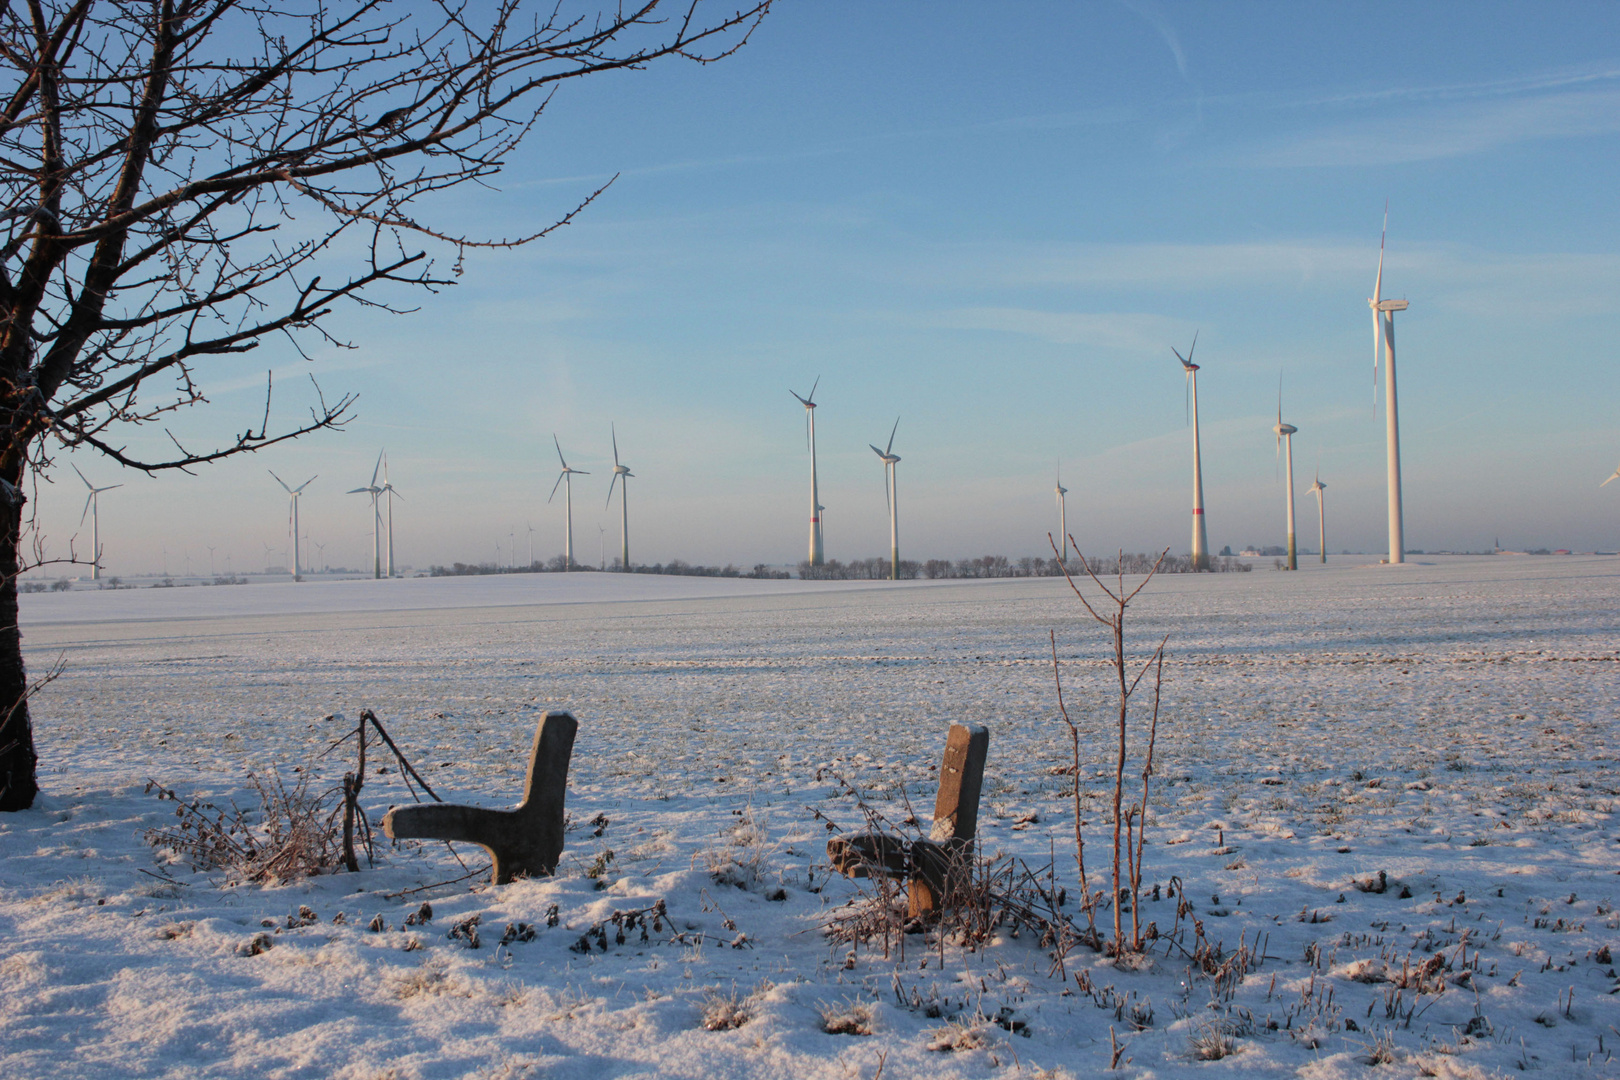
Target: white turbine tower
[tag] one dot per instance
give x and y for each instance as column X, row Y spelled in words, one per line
column 1063, row 512
column 1200, row 536
column 1317, row 487
column 1383, row 312
column 624, row 495
column 388, row 489
column 376, row 517
column 890, row 459
column 92, row 506
column 817, row 552
column 292, row 517
column 1285, row 435
column 566, row 476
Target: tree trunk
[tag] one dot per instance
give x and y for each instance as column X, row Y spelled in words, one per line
column 17, row 758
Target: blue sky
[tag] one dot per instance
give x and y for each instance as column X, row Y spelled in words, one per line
column 992, row 221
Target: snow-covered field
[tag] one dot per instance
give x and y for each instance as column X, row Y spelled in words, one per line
column 1450, row 723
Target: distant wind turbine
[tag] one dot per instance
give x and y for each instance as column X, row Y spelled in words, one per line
column 624, row 495
column 292, row 517
column 92, row 506
column 817, row 552
column 890, row 459
column 1384, row 327
column 1200, row 536
column 388, row 489
column 530, row 534
column 1063, row 512
column 566, row 477
column 376, row 517
column 1317, row 487
column 1285, row 435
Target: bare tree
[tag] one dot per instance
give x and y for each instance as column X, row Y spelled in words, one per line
column 181, row 179
column 1130, row 822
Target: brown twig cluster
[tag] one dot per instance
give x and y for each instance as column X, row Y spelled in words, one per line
column 292, row 833
column 1129, row 819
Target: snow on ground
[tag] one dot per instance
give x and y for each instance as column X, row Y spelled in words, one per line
column 1450, row 723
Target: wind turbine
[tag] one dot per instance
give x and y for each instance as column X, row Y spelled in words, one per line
column 388, row 488
column 1317, row 487
column 376, row 518
column 624, row 492
column 566, row 478
column 1063, row 512
column 817, row 552
column 211, row 571
column 1285, row 434
column 1200, row 537
column 92, row 506
column 530, row 535
column 890, row 459
column 1384, row 326
column 292, row 516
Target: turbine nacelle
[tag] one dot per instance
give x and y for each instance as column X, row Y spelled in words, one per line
column 1388, row 305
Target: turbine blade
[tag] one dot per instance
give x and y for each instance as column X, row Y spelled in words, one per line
column 878, row 452
column 813, row 388
column 280, row 481
column 1615, row 476
column 615, row 446
column 615, row 480
column 891, row 436
column 1378, row 294
column 88, row 499
column 1193, row 347
column 87, row 483
column 306, row 483
column 579, row 472
column 376, row 468
column 557, row 485
column 559, row 450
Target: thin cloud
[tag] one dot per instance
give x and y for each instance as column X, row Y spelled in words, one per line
column 1434, row 134
column 1124, row 332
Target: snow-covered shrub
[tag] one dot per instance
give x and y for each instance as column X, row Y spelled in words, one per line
column 739, row 859
column 849, row 1017
column 722, row 1012
column 1211, row 1042
column 958, row 1036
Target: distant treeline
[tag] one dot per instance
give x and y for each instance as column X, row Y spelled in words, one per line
column 557, row 565
column 1000, row 566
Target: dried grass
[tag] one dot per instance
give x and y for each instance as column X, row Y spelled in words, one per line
column 291, row 834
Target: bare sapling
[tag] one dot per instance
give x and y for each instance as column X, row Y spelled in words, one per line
column 1130, row 822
